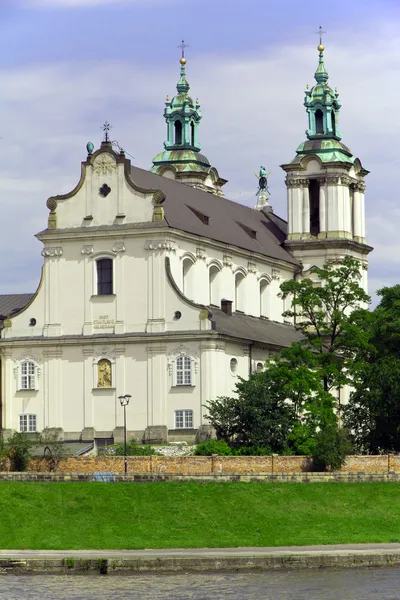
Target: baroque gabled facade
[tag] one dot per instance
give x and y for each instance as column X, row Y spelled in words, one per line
column 155, row 285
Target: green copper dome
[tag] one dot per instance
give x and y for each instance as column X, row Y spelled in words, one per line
column 322, row 104
column 182, row 149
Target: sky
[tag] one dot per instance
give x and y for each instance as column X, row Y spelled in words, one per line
column 66, row 66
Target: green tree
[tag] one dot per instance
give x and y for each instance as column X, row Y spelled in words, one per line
column 323, row 308
column 373, row 412
column 19, row 446
column 332, row 445
column 267, row 407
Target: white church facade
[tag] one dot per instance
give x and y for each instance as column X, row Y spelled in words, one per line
column 155, row 285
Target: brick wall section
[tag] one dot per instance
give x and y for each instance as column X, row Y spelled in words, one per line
column 367, row 464
column 207, row 465
column 201, row 465
column 292, row 464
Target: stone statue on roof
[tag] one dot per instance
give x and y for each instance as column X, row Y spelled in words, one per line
column 263, row 181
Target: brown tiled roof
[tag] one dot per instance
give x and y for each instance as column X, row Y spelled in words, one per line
column 13, row 303
column 228, row 221
column 254, row 329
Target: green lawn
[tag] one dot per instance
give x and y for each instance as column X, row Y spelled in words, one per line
column 173, row 515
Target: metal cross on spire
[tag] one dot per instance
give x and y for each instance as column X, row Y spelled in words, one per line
column 320, row 32
column 182, row 46
column 106, row 128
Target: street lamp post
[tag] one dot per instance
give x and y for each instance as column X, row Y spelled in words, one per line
column 124, row 400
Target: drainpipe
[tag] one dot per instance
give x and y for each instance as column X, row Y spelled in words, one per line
column 295, row 275
column 250, row 358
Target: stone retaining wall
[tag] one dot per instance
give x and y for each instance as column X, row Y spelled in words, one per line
column 207, row 465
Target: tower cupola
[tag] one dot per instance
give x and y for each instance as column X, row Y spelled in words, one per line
column 325, row 184
column 181, row 158
column 322, row 104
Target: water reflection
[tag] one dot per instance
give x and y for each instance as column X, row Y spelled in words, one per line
column 360, row 584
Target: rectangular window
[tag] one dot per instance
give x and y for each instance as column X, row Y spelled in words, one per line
column 183, row 419
column 27, row 376
column 183, row 370
column 104, row 277
column 27, row 423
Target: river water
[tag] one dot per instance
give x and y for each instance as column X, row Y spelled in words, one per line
column 357, row 584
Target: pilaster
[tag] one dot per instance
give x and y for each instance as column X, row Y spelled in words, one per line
column 156, row 385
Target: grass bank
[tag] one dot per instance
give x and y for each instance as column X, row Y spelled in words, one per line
column 185, row 514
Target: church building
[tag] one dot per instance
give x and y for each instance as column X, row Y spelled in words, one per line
column 156, row 286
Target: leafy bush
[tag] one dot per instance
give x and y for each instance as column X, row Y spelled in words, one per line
column 331, row 448
column 54, row 447
column 19, row 447
column 133, row 449
column 210, row 447
column 301, row 440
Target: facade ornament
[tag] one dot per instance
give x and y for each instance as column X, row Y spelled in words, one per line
column 201, row 253
column 297, row 182
column 103, row 353
column 155, row 245
column 276, row 274
column 227, row 261
column 182, row 351
column 118, row 247
column 52, row 252
column 333, row 180
column 104, row 164
column 346, row 180
column 360, row 186
column 251, row 267
column 7, row 323
column 87, row 250
column 51, row 204
column 203, row 314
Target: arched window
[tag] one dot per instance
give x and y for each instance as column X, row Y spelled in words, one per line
column 239, row 292
column 319, row 121
column 188, row 278
column 183, row 374
column 27, row 375
column 264, row 298
column 192, row 133
column 104, row 276
column 314, row 206
column 104, row 373
column 333, row 122
column 178, row 132
column 214, row 287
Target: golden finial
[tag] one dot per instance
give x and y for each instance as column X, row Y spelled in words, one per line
column 182, row 46
column 167, row 98
column 197, row 101
column 336, row 90
column 187, row 96
column 320, row 46
column 307, row 87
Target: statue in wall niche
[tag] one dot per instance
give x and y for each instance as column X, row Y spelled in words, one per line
column 104, row 378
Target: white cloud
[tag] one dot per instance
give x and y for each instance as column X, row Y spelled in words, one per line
column 252, row 115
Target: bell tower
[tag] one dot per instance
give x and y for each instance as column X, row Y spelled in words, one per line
column 181, row 158
column 325, row 184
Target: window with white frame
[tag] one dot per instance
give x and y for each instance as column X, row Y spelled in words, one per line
column 104, row 272
column 183, row 419
column 183, row 371
column 27, row 423
column 27, row 375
